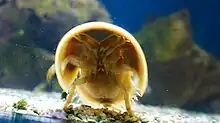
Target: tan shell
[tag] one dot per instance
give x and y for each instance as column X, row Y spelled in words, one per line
column 137, row 62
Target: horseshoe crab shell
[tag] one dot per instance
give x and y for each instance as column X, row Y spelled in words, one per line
column 136, row 58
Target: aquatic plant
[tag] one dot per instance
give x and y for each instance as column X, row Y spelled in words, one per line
column 21, row 104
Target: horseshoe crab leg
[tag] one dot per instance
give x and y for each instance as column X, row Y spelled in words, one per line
column 69, row 96
column 90, row 43
column 72, row 90
column 126, row 85
column 77, row 82
column 133, row 74
column 73, row 60
column 114, row 42
column 50, row 73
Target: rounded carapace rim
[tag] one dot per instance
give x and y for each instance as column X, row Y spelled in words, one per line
column 101, row 26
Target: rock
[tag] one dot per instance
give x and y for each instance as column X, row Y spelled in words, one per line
column 167, row 38
column 56, row 18
column 24, row 64
column 180, row 72
column 29, row 33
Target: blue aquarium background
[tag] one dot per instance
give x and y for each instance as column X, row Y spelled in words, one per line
column 204, row 17
column 180, row 38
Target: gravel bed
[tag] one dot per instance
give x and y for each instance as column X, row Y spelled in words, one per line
column 49, row 105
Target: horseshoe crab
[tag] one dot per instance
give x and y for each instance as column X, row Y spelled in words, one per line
column 103, row 62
